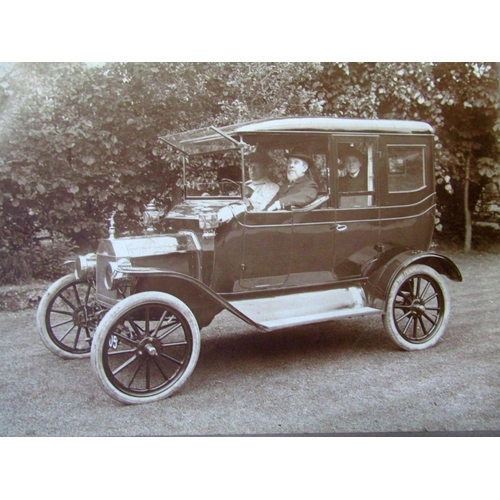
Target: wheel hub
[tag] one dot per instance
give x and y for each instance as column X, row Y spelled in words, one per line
column 86, row 315
column 148, row 347
column 418, row 307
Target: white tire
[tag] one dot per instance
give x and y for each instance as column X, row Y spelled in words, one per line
column 417, row 309
column 145, row 348
column 67, row 317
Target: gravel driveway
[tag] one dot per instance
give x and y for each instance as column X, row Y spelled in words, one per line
column 339, row 377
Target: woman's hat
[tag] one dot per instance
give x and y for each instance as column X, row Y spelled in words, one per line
column 259, row 157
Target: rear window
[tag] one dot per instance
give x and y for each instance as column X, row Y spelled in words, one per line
column 406, row 168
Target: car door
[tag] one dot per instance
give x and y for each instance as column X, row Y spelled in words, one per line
column 357, row 221
column 266, row 249
column 313, row 243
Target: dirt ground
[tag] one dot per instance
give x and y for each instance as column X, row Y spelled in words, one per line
column 343, row 377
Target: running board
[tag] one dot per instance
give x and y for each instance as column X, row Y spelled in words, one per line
column 305, row 308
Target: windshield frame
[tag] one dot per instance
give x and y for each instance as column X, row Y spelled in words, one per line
column 206, row 141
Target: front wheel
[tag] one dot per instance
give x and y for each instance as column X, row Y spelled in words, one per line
column 67, row 317
column 145, row 348
column 417, row 309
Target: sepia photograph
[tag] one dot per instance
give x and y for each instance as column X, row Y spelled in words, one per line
column 207, row 248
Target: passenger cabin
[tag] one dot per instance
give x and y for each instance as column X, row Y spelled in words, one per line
column 386, row 207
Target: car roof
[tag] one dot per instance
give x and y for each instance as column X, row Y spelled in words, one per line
column 330, row 124
column 212, row 139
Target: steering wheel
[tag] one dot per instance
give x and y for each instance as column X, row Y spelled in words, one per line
column 237, row 184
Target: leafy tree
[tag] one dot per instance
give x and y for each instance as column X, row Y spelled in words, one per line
column 249, row 91
column 80, row 142
column 470, row 132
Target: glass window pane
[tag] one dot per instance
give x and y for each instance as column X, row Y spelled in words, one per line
column 406, row 168
column 356, row 174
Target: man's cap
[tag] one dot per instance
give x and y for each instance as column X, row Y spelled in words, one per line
column 350, row 151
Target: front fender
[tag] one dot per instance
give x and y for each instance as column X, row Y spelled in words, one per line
column 202, row 300
column 380, row 282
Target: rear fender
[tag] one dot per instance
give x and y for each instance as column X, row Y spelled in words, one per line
column 380, row 282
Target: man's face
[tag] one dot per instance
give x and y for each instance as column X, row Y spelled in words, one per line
column 256, row 171
column 296, row 168
column 352, row 165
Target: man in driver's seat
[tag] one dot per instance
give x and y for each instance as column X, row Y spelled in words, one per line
column 300, row 189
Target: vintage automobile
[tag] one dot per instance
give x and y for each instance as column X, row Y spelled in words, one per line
column 138, row 304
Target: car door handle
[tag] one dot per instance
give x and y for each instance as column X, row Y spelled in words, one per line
column 338, row 227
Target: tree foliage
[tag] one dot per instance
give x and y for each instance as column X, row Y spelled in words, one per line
column 469, row 133
column 79, row 142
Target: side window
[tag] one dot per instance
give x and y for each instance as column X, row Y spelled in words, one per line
column 406, row 168
column 355, row 174
column 318, row 170
column 320, row 173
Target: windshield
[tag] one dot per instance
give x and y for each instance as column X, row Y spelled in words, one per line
column 213, row 160
column 214, row 189
column 216, row 176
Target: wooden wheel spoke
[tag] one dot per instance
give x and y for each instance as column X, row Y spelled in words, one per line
column 411, row 284
column 87, row 294
column 415, row 328
column 137, row 329
column 422, row 325
column 123, row 351
column 146, row 320
column 77, row 337
column 174, row 344
column 403, row 317
column 433, row 321
column 433, row 296
column 424, row 291
column 172, row 329
column 77, row 296
column 70, row 304
column 67, row 322
column 162, row 319
column 136, row 371
column 165, row 377
column 67, row 333
column 148, row 375
column 60, row 311
column 170, row 358
column 418, row 283
column 407, row 326
column 125, row 364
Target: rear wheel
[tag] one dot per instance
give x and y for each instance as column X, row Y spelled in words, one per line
column 145, row 348
column 67, row 317
column 417, row 309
